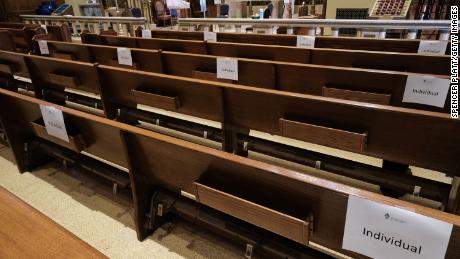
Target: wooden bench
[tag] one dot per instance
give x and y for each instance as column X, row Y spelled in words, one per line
column 21, row 38
column 25, row 233
column 310, row 210
column 119, row 91
column 353, row 43
column 343, row 83
column 242, row 106
column 328, row 56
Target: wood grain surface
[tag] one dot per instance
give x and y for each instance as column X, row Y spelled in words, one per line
column 27, row 233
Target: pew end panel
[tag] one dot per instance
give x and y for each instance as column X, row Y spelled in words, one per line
column 90, row 136
column 18, row 130
column 6, row 41
column 133, row 88
column 13, row 64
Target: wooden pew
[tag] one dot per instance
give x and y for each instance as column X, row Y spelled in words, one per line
column 6, row 41
column 243, row 106
column 118, row 89
column 22, row 38
column 353, row 43
column 26, row 231
column 375, row 130
column 344, row 58
column 345, row 83
column 214, row 178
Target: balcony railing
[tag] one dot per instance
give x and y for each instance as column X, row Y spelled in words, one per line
column 379, row 27
column 122, row 25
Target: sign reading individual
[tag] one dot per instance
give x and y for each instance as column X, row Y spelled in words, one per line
column 210, row 36
column 432, row 47
column 382, row 231
column 427, row 90
column 54, row 122
column 43, row 46
column 227, row 68
column 306, row 41
column 124, row 56
column 147, row 34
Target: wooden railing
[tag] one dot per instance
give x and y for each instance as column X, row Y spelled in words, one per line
column 364, row 27
column 122, row 25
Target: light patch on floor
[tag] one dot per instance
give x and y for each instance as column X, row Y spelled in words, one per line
column 88, row 209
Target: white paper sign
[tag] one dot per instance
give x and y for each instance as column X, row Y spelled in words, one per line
column 44, row 27
column 305, row 41
column 210, row 36
column 147, row 34
column 124, row 56
column 227, row 68
column 43, row 45
column 426, row 90
column 432, row 47
column 382, row 231
column 54, row 122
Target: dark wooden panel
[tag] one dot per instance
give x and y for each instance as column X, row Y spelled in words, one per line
column 195, row 99
column 415, row 63
column 287, row 54
column 41, row 68
column 337, row 57
column 394, row 133
column 196, row 47
column 158, row 160
column 354, row 43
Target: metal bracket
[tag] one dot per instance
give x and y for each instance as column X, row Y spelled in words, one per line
column 318, row 165
column 249, row 250
column 417, row 190
column 160, row 209
column 245, row 146
column 115, row 188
